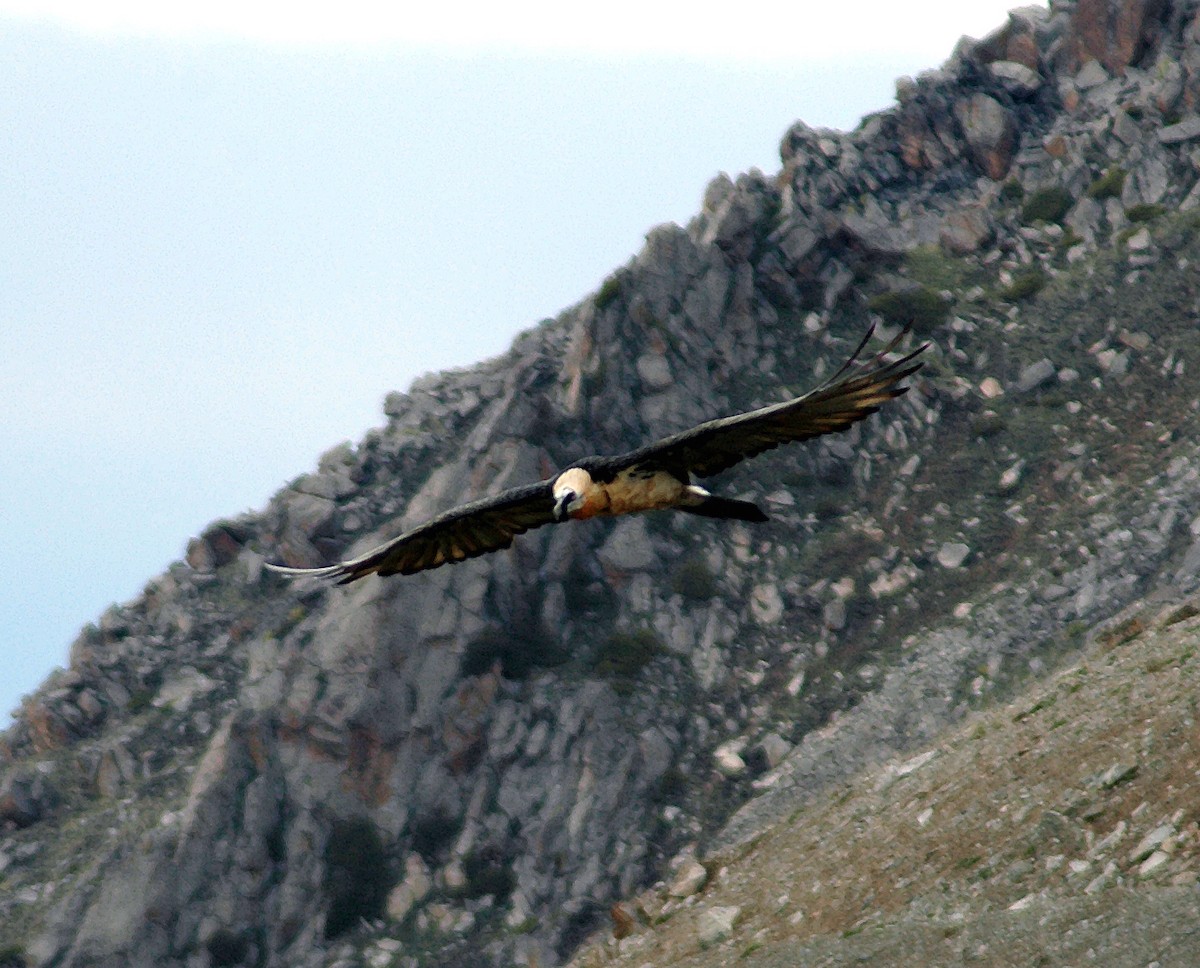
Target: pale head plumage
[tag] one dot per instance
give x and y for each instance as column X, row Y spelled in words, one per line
column 572, row 488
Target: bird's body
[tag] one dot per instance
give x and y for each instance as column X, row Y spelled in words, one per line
column 658, row 476
column 630, row 489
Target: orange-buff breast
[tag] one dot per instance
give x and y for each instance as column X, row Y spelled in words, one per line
column 628, row 493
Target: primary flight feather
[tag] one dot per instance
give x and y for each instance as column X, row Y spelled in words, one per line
column 653, row 477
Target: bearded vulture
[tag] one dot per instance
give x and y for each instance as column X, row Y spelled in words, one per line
column 651, row 478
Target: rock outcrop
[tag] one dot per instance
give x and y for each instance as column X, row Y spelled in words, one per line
column 471, row 765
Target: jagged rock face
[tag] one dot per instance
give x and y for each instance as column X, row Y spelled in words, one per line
column 1116, row 34
column 470, row 765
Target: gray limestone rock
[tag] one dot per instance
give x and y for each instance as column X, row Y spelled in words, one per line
column 1186, row 130
column 990, row 131
column 689, row 880
column 716, row 923
column 26, row 796
column 654, row 370
column 952, row 554
column 629, row 548
column 967, row 230
column 1091, row 75
column 774, row 748
column 1035, row 375
column 1147, row 183
column 1015, row 78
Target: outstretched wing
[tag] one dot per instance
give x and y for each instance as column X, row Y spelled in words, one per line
column 852, row 394
column 463, row 532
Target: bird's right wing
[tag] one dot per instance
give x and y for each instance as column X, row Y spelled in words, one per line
column 852, row 394
column 468, row 531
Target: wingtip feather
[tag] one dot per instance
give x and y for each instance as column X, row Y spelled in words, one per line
column 342, row 571
column 289, row 572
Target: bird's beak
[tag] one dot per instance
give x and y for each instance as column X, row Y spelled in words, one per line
column 561, row 503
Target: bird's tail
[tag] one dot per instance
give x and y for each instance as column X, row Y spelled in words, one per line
column 724, row 507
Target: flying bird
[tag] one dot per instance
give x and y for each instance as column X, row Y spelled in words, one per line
column 655, row 477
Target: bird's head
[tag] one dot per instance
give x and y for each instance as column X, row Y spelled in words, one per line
column 565, row 502
column 571, row 491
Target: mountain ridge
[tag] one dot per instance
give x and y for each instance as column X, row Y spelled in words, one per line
column 471, row 766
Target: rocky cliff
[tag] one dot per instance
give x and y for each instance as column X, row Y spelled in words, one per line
column 471, row 765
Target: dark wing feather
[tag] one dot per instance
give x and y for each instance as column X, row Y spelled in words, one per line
column 855, row 392
column 463, row 532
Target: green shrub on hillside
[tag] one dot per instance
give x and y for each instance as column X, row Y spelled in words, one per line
column 1108, row 185
column 1026, row 283
column 1047, row 205
column 625, row 654
column 608, row 293
column 1144, row 213
column 1012, row 190
column 356, row 875
column 921, row 308
column 694, row 580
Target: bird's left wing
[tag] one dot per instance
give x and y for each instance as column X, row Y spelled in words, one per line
column 852, row 394
column 468, row 531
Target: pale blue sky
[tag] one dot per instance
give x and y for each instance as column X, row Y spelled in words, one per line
column 220, row 253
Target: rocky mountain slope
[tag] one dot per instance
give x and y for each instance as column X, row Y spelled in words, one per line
column 471, row 766
column 1058, row 829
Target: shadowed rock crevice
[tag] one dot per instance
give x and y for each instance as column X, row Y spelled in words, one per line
column 357, row 875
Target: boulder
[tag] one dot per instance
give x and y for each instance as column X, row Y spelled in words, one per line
column 990, row 132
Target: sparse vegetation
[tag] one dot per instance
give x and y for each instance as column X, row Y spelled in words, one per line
column 488, row 871
column 1108, row 185
column 226, row 948
column 1047, row 205
column 518, row 651
column 1144, row 213
column 1026, row 284
column 1012, row 190
column 988, row 424
column 1069, row 239
column 694, row 580
column 931, row 266
column 920, row 307
column 431, row 834
column 608, row 293
column 624, row 654
column 356, row 875
column 672, row 785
